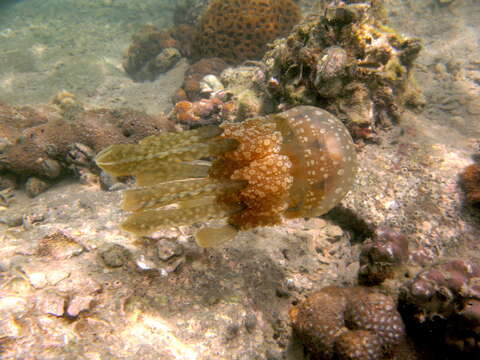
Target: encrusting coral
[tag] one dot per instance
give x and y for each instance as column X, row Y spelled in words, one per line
column 205, row 111
column 354, row 323
column 239, row 30
column 48, row 141
column 298, row 163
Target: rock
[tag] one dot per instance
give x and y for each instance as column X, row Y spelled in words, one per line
column 78, row 304
column 166, row 249
column 114, row 255
column 51, row 168
column 35, row 186
column 52, row 303
column 107, row 182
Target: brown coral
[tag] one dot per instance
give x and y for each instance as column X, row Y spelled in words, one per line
column 297, row 163
column 140, row 59
column 41, row 144
column 348, row 323
column 470, row 182
column 239, row 30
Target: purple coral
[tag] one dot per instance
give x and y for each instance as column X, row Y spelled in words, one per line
column 443, row 302
column 381, row 255
column 348, row 323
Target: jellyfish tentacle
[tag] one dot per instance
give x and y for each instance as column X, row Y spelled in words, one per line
column 132, row 159
column 174, row 192
column 146, row 222
column 172, row 171
column 168, row 139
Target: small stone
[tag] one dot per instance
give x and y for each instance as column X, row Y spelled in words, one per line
column 210, row 84
column 4, row 144
column 114, row 255
column 56, row 276
column 29, row 220
column 52, row 303
column 9, row 329
column 79, row 304
column 107, row 181
column 6, row 197
column 51, row 168
column 174, row 265
column 35, row 186
column 282, row 293
column 166, row 249
column 145, row 263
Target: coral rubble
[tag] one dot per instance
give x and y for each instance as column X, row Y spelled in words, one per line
column 348, row 323
column 346, row 61
column 240, row 30
column 441, row 307
column 196, row 72
column 297, row 163
column 205, row 111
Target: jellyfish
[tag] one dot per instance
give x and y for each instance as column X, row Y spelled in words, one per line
column 295, row 164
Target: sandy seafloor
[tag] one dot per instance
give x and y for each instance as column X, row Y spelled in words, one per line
column 230, row 302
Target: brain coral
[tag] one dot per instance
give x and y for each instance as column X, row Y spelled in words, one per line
column 354, row 323
column 236, row 30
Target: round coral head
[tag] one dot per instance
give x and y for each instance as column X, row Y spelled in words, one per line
column 239, row 30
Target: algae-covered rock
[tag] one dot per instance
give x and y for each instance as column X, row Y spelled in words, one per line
column 344, row 59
